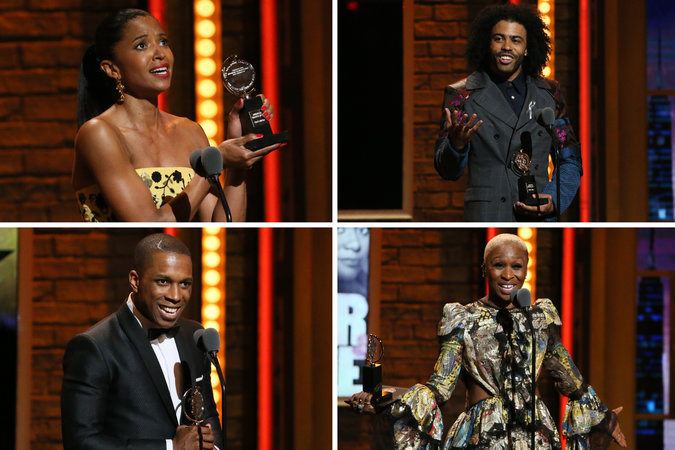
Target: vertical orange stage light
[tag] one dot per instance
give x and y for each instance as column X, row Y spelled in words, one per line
column 567, row 310
column 529, row 235
column 208, row 87
column 265, row 337
column 213, row 298
column 270, row 87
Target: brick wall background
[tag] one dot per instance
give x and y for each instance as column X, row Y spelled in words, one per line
column 421, row 270
column 441, row 30
column 80, row 276
column 40, row 53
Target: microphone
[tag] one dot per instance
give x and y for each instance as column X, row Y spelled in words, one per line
column 208, row 163
column 545, row 117
column 208, row 341
column 521, row 298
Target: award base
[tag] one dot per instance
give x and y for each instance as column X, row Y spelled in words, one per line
column 253, row 121
column 372, row 383
column 527, row 190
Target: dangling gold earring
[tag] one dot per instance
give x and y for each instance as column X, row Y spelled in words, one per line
column 119, row 87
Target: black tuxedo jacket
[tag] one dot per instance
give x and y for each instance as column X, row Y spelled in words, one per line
column 114, row 394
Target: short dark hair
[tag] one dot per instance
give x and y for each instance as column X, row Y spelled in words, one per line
column 538, row 42
column 96, row 91
column 157, row 243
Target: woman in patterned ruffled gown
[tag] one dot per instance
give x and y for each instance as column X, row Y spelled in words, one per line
column 131, row 158
column 488, row 344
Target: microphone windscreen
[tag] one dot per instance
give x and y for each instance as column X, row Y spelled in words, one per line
column 196, row 162
column 197, row 337
column 211, row 340
column 522, row 298
column 212, row 161
column 545, row 116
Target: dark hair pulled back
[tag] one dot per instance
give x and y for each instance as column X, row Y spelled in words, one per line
column 96, row 91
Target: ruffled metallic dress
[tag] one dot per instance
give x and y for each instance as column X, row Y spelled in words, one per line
column 493, row 348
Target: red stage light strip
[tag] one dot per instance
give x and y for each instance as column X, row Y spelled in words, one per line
column 585, row 108
column 567, row 309
column 270, row 87
column 157, row 9
column 265, row 336
column 171, row 231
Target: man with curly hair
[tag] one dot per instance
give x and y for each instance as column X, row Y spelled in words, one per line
column 489, row 116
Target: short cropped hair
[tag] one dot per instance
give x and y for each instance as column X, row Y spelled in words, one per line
column 538, row 42
column 157, row 243
column 501, row 239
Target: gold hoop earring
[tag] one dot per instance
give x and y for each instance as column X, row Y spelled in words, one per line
column 119, row 87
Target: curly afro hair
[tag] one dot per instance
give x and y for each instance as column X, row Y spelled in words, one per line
column 538, row 42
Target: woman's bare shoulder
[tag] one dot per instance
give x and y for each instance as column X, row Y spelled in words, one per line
column 99, row 137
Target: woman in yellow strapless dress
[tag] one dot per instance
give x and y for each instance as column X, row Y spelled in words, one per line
column 131, row 159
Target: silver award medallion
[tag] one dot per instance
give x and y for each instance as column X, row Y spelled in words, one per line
column 238, row 76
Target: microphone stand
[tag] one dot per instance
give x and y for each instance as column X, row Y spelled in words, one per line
column 533, row 398
column 214, row 180
column 556, row 156
column 214, row 360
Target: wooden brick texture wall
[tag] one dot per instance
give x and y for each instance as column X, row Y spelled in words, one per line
column 441, row 30
column 421, row 270
column 40, row 52
column 80, row 277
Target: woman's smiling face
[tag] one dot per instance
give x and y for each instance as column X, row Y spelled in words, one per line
column 505, row 269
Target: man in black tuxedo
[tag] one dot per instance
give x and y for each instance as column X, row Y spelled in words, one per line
column 124, row 378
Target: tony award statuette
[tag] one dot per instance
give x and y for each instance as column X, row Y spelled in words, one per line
column 238, row 78
column 372, row 371
column 193, row 405
column 527, row 186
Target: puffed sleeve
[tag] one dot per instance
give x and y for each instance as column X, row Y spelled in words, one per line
column 418, row 411
column 585, row 413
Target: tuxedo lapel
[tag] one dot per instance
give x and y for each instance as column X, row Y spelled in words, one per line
column 139, row 341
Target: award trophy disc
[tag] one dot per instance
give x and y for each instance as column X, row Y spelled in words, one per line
column 193, row 405
column 372, row 371
column 238, row 78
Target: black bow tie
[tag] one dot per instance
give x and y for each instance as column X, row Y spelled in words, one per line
column 154, row 333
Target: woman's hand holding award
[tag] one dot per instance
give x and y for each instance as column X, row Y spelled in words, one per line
column 238, row 77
